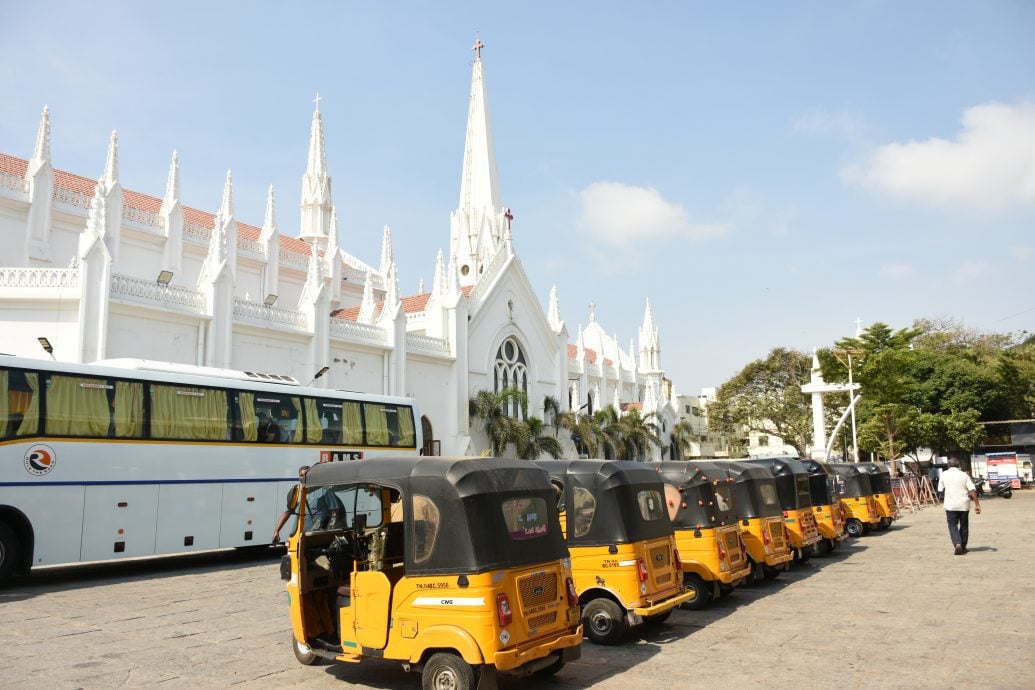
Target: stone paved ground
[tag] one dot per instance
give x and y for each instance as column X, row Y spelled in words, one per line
column 891, row 610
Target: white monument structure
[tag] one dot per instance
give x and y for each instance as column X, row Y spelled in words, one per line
column 819, row 450
column 105, row 272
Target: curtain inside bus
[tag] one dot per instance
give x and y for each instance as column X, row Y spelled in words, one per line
column 185, row 412
column 77, row 406
column 31, row 415
column 298, row 431
column 129, row 409
column 249, row 420
column 406, row 434
column 353, row 429
column 377, row 425
column 313, row 426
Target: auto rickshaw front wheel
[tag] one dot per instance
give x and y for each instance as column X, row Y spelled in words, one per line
column 604, row 621
column 700, row 592
column 303, row 652
column 445, row 671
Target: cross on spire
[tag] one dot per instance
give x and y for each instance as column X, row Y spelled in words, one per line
column 509, row 216
column 592, row 311
column 858, row 326
column 477, row 47
column 317, row 101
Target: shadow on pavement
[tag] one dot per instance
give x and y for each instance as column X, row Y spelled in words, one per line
column 85, row 575
column 975, row 549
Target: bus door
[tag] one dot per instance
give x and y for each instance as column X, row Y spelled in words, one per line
column 119, row 521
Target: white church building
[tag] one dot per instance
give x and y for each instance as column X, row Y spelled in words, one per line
column 105, row 272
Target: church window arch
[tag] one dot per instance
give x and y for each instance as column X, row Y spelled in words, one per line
column 511, row 371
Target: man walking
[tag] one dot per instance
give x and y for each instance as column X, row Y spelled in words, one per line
column 959, row 492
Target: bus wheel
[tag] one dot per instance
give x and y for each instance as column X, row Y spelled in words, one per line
column 445, row 671
column 303, row 652
column 700, row 594
column 9, row 547
column 854, row 528
column 604, row 621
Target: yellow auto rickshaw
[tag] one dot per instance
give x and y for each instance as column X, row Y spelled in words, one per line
column 454, row 567
column 792, row 485
column 857, row 499
column 700, row 502
column 880, row 480
column 826, row 503
column 623, row 551
column 757, row 506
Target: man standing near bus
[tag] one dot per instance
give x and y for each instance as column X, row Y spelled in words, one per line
column 291, row 504
column 959, row 492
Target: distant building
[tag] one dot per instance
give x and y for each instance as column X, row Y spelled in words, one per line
column 106, row 272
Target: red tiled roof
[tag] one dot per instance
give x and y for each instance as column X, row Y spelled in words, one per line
column 591, row 354
column 632, row 406
column 573, row 351
column 411, row 305
column 146, row 202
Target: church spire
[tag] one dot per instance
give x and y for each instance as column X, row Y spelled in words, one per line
column 172, row 182
column 387, row 255
column 477, row 227
column 316, row 184
column 41, row 153
column 111, row 165
column 554, row 315
column 269, row 223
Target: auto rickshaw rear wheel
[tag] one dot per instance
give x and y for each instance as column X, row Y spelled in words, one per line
column 303, row 652
column 657, row 618
column 445, row 671
column 769, row 572
column 604, row 621
column 552, row 669
column 885, row 523
column 700, row 593
column 821, row 547
column 854, row 528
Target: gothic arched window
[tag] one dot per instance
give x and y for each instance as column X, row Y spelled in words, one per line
column 510, row 371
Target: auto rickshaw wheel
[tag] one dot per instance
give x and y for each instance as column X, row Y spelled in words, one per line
column 701, row 595
column 552, row 669
column 604, row 621
column 657, row 618
column 769, row 572
column 303, row 652
column 885, row 523
column 854, row 528
column 445, row 671
column 821, row 547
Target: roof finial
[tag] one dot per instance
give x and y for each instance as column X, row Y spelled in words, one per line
column 592, row 311
column 111, row 165
column 41, row 152
column 477, row 47
column 317, row 101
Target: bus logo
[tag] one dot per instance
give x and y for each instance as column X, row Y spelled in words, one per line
column 340, row 455
column 40, row 460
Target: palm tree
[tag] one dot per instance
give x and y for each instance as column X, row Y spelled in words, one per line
column 551, row 410
column 491, row 407
column 683, row 436
column 638, row 434
column 609, row 432
column 583, row 430
column 533, row 443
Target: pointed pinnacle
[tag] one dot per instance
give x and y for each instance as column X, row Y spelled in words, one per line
column 111, row 165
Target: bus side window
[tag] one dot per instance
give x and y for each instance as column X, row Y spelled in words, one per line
column 188, row 412
column 78, row 406
column 19, row 403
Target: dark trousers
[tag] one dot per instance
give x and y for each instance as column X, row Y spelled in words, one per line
column 959, row 526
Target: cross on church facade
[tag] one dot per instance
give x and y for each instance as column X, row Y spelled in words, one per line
column 477, row 48
column 592, row 311
column 509, row 216
column 317, row 101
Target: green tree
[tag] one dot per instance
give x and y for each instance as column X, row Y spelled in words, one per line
column 765, row 396
column 609, row 432
column 683, row 437
column 491, row 408
column 532, row 443
column 583, row 431
column 637, row 434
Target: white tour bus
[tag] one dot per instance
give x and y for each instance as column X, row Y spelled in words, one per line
column 127, row 458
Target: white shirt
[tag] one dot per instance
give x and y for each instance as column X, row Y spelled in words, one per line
column 957, row 486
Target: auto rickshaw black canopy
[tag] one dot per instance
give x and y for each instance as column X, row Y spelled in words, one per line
column 473, row 536
column 748, row 483
column 695, row 482
column 855, row 480
column 616, row 486
column 792, row 481
column 880, row 476
column 822, row 482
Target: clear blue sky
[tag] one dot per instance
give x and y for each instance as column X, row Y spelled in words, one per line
column 764, row 172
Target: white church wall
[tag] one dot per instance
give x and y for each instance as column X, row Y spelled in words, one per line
column 356, row 369
column 271, row 352
column 190, row 269
column 138, row 261
column 152, row 335
column 431, row 384
column 248, row 281
column 56, row 320
column 64, row 241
